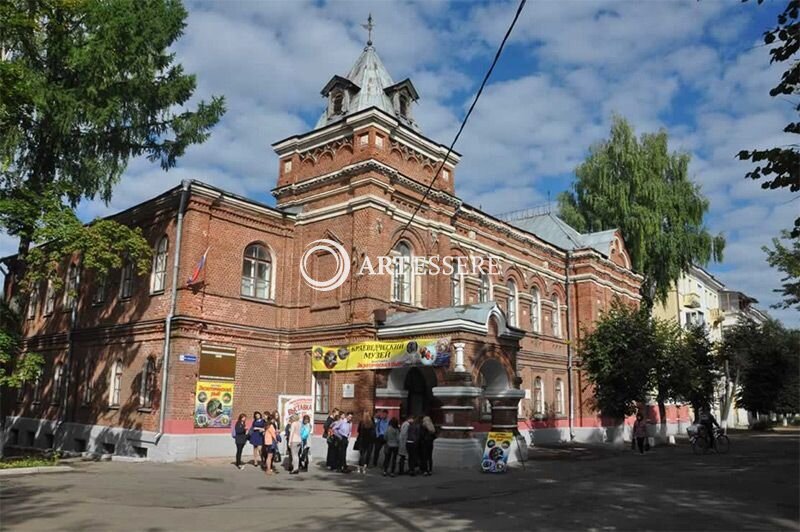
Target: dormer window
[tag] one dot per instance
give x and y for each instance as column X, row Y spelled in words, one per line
column 338, row 103
column 403, row 106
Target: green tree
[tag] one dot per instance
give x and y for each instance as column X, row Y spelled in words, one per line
column 780, row 166
column 787, row 260
column 617, row 357
column 84, row 87
column 638, row 186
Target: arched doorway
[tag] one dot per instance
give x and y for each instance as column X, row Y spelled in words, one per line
column 419, row 383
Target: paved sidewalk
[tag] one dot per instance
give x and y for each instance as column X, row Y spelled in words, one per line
column 754, row 487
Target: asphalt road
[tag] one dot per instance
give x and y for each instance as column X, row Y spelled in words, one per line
column 754, row 487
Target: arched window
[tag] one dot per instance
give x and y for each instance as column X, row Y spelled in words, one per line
column 126, row 280
column 536, row 311
column 402, row 288
column 115, row 386
column 485, row 288
column 257, row 272
column 556, row 317
column 148, row 383
column 456, row 285
column 338, row 103
column 71, row 289
column 159, row 278
column 559, row 397
column 58, row 383
column 538, row 396
column 512, row 302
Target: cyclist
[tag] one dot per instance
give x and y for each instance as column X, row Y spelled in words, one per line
column 707, row 421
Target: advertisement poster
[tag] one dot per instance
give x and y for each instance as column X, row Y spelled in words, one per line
column 382, row 354
column 495, row 454
column 295, row 404
column 213, row 404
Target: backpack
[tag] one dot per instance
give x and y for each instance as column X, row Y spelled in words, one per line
column 233, row 431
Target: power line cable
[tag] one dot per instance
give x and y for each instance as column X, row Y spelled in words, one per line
column 463, row 122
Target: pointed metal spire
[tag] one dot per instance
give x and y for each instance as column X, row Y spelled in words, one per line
column 368, row 26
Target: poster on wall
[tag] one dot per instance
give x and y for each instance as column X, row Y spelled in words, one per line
column 382, row 355
column 495, row 454
column 213, row 404
column 295, row 404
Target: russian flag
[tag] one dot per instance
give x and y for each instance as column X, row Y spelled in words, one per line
column 198, row 269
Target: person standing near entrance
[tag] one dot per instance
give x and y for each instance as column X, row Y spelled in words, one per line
column 342, row 430
column 365, row 441
column 327, row 433
column 402, row 450
column 240, row 437
column 381, row 424
column 295, row 443
column 256, row 434
column 271, row 446
column 392, row 445
column 427, row 435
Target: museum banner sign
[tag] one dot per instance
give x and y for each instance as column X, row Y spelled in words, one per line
column 386, row 354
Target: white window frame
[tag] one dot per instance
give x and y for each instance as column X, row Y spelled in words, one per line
column 115, row 384
column 148, row 383
column 557, row 332
column 37, row 388
column 322, row 394
column 536, row 311
column 158, row 276
column 559, row 389
column 513, row 298
column 538, row 396
column 402, row 274
column 71, row 287
column 254, row 283
column 457, row 286
column 49, row 298
column 33, row 302
column 485, row 288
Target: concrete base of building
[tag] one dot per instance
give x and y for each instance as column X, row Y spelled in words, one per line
column 457, row 453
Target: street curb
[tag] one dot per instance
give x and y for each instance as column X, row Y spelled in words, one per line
column 21, row 471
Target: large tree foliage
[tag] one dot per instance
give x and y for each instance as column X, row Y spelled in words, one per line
column 787, row 260
column 780, row 166
column 84, row 86
column 631, row 356
column 767, row 360
column 638, row 186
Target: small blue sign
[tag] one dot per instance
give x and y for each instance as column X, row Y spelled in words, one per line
column 187, row 358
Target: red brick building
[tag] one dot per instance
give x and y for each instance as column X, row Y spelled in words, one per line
column 124, row 357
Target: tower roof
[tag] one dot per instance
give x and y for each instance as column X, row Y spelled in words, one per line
column 367, row 84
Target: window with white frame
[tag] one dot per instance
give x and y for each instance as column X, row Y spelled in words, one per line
column 456, row 286
column 322, row 394
column 148, row 383
column 126, row 280
column 99, row 296
column 115, row 384
column 158, row 280
column 257, row 272
column 556, row 317
column 512, row 302
column 37, row 388
column 485, row 288
column 71, row 289
column 559, row 397
column 49, row 298
column 87, row 381
column 58, row 383
column 538, row 396
column 536, row 311
column 402, row 275
column 33, row 302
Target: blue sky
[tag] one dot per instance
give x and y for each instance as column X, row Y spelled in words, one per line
column 698, row 69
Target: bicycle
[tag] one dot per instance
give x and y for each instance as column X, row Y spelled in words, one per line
column 700, row 443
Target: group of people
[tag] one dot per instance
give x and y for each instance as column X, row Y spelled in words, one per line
column 412, row 442
column 264, row 435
